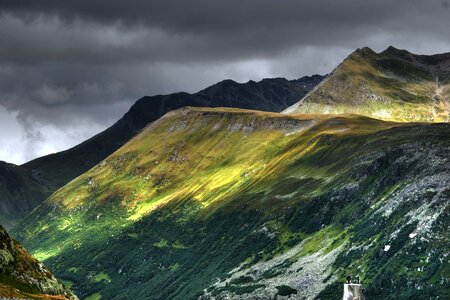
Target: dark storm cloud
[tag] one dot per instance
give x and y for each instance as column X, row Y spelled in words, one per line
column 180, row 30
column 76, row 66
column 222, row 17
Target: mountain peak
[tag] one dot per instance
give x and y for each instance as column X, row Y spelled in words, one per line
column 392, row 49
column 366, row 50
column 399, row 53
column 362, row 52
column 393, row 85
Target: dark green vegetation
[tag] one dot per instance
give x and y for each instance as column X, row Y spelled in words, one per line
column 19, row 193
column 217, row 203
column 284, row 290
column 23, row 277
column 22, row 188
column 393, row 85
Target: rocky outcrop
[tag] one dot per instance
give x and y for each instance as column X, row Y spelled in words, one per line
column 23, row 277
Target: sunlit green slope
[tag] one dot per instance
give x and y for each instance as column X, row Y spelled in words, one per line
column 217, row 203
column 22, row 188
column 393, row 85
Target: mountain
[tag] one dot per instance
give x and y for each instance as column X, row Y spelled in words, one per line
column 236, row 204
column 26, row 186
column 393, row 85
column 19, row 193
column 23, row 277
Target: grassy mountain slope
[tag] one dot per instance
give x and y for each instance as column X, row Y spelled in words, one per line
column 53, row 171
column 218, row 203
column 23, row 277
column 393, row 85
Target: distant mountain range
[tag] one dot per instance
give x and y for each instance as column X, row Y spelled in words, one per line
column 23, row 187
column 393, row 85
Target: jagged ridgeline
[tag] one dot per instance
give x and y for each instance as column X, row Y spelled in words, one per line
column 217, row 203
column 23, row 277
column 393, row 85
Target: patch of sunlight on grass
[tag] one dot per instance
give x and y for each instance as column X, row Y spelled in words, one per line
column 64, row 224
column 133, row 235
column 327, row 239
column 174, row 267
column 96, row 296
column 43, row 255
column 178, row 245
column 44, row 227
column 73, row 269
column 67, row 283
column 161, row 244
column 101, row 277
column 146, row 207
column 222, row 178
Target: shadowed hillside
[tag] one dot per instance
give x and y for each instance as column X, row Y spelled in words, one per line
column 20, row 192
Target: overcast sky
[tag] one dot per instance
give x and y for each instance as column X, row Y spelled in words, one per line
column 69, row 69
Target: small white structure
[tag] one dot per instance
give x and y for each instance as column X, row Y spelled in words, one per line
column 353, row 291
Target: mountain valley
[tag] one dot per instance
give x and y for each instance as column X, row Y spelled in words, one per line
column 218, row 195
column 269, row 200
